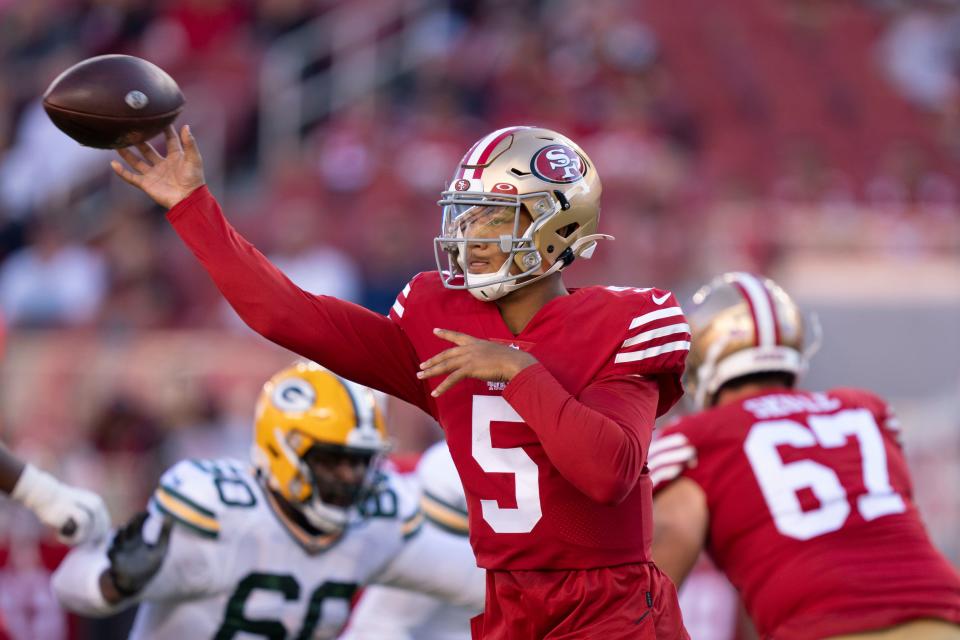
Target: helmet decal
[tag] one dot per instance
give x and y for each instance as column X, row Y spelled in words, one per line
column 461, row 185
column 504, row 187
column 557, row 163
column 294, row 395
column 306, row 408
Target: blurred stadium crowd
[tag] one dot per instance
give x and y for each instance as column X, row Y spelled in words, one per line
column 728, row 135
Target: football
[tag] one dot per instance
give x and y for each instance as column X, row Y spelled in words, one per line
column 113, row 101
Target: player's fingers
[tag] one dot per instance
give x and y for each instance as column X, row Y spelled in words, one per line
column 188, row 141
column 440, row 368
column 149, row 153
column 454, row 336
column 127, row 175
column 448, row 382
column 446, row 354
column 173, row 141
column 133, row 160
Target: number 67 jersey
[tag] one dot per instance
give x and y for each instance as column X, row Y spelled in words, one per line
column 811, row 514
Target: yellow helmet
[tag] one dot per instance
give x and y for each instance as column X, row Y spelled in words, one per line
column 742, row 324
column 530, row 169
column 304, row 410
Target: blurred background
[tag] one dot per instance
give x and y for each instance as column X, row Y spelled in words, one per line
column 816, row 141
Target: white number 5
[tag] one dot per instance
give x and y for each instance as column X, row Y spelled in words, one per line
column 780, row 482
column 527, row 513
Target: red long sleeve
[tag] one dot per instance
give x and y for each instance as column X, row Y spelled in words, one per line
column 346, row 338
column 597, row 441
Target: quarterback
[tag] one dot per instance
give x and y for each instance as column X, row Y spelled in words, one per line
column 547, row 395
column 802, row 498
column 278, row 550
column 389, row 613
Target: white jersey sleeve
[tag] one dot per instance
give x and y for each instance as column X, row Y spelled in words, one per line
column 191, row 567
column 439, row 564
column 386, row 613
column 437, row 559
column 442, row 499
column 76, row 582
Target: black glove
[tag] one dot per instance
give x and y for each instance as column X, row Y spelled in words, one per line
column 133, row 561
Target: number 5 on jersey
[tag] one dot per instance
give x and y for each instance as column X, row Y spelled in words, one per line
column 526, row 475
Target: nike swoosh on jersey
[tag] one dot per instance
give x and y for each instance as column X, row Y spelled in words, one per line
column 661, row 299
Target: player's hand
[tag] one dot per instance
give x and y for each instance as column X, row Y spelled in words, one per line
column 77, row 515
column 133, row 560
column 473, row 358
column 81, row 516
column 167, row 180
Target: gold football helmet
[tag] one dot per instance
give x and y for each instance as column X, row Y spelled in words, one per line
column 308, row 420
column 508, row 172
column 743, row 324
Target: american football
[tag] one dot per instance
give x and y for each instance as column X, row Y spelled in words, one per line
column 347, row 350
column 113, row 101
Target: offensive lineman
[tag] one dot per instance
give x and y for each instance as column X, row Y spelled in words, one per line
column 803, row 499
column 389, row 613
column 547, row 396
column 278, row 551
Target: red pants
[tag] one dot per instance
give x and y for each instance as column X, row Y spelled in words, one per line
column 629, row 602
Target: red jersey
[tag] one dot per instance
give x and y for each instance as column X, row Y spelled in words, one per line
column 811, row 515
column 553, row 463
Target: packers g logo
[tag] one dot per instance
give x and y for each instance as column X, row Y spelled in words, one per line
column 294, row 395
column 557, row 163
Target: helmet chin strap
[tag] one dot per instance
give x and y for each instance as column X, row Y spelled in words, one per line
column 496, row 290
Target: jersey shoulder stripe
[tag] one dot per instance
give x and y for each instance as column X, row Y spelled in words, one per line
column 669, row 457
column 658, row 329
column 417, row 284
column 444, row 515
column 200, row 494
column 171, row 503
column 653, row 325
column 411, row 526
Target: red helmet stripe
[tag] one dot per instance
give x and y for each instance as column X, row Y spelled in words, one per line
column 466, row 159
column 753, row 313
column 764, row 322
column 491, row 142
column 773, row 313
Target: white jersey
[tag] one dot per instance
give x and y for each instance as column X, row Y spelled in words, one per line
column 234, row 569
column 387, row 613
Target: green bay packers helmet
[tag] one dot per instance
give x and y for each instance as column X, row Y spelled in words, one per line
column 305, row 409
column 520, row 169
column 743, row 324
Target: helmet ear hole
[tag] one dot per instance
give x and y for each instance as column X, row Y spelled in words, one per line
column 569, row 230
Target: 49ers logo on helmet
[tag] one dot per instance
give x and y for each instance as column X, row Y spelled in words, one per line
column 557, row 163
column 462, row 185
